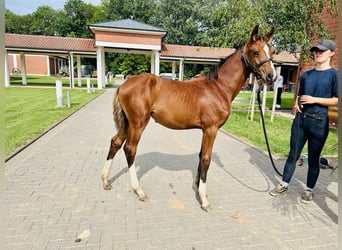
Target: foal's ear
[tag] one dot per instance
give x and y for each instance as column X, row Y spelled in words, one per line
column 268, row 36
column 255, row 32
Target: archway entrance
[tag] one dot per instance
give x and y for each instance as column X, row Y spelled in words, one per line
column 126, row 36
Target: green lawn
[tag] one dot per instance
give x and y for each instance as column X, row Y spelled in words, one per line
column 286, row 100
column 30, row 111
column 44, row 81
column 278, row 131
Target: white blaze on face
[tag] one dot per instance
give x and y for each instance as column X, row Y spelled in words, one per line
column 266, row 49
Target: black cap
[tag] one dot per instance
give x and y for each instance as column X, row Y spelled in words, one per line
column 324, row 45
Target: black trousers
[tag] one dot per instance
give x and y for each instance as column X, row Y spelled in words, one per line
column 313, row 129
column 279, row 92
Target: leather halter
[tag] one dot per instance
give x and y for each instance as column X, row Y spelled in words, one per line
column 254, row 68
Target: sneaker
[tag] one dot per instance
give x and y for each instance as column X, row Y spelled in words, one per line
column 307, row 196
column 279, row 189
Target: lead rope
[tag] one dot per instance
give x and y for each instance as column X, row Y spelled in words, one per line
column 265, row 134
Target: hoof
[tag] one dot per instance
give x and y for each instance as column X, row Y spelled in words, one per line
column 107, row 186
column 143, row 197
column 207, row 208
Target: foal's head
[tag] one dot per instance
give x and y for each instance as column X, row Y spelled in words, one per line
column 257, row 55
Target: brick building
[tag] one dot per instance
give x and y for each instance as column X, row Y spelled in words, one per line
column 37, row 64
column 332, row 25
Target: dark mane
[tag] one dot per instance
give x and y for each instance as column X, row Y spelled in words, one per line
column 213, row 73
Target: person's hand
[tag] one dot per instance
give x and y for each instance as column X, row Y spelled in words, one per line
column 298, row 105
column 307, row 99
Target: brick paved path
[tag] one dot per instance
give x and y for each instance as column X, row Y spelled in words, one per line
column 56, row 201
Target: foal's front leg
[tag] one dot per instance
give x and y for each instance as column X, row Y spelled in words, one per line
column 202, row 191
column 115, row 145
column 208, row 139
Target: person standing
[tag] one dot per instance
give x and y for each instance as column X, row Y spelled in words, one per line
column 280, row 85
column 318, row 89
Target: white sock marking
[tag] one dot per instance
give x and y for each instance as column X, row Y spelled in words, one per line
column 202, row 190
column 105, row 170
column 134, row 177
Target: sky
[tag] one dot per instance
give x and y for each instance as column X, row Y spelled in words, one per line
column 22, row 7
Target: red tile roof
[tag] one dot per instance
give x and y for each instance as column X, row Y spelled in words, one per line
column 285, row 57
column 33, row 42
column 171, row 50
column 182, row 51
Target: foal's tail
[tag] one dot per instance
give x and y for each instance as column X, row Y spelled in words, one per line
column 120, row 119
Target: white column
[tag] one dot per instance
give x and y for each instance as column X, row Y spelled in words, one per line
column 15, row 63
column 23, row 68
column 153, row 62
column 7, row 71
column 100, row 67
column 79, row 77
column 103, row 69
column 55, row 65
column 173, row 70
column 48, row 65
column 71, row 70
column 157, row 63
column 181, row 69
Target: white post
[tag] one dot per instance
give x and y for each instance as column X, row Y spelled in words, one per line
column 264, row 93
column 79, row 77
column 255, row 88
column 68, row 99
column 88, row 84
column 23, row 68
column 275, row 90
column 59, row 92
column 7, row 71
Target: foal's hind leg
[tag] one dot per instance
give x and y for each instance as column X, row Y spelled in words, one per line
column 115, row 145
column 130, row 149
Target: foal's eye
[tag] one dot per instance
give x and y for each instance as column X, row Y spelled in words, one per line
column 255, row 53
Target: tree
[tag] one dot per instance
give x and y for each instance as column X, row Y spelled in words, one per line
column 181, row 19
column 44, row 21
column 74, row 20
column 129, row 63
column 138, row 10
column 298, row 28
column 17, row 24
